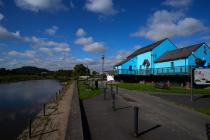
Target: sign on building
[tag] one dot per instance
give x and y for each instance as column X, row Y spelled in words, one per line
column 202, row 76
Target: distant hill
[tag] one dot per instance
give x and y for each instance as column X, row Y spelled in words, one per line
column 24, row 70
column 29, row 70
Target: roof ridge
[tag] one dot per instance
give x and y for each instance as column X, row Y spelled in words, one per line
column 178, row 53
column 191, row 45
column 159, row 41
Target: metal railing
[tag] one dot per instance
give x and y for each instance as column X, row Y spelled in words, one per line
column 156, row 71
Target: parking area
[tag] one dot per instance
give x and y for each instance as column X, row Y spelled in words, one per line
column 158, row 118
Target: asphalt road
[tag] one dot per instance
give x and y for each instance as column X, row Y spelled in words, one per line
column 176, row 123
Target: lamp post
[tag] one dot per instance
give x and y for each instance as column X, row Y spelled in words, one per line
column 102, row 67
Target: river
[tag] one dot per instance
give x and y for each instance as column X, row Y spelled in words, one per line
column 21, row 100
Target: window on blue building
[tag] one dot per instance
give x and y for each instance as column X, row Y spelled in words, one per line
column 172, row 64
column 130, row 68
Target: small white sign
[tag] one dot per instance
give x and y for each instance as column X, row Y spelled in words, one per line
column 110, row 78
column 202, row 76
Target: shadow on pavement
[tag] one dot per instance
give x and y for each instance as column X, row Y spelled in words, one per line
column 148, row 130
column 116, row 109
column 85, row 125
column 200, row 97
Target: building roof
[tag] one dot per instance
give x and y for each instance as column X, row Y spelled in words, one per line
column 141, row 50
column 146, row 48
column 178, row 53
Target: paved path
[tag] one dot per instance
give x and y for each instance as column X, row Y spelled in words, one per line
column 200, row 100
column 176, row 123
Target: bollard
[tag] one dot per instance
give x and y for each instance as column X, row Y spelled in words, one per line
column 44, row 109
column 56, row 96
column 111, row 88
column 29, row 127
column 117, row 89
column 208, row 131
column 106, row 84
column 113, row 102
column 104, row 93
column 136, row 122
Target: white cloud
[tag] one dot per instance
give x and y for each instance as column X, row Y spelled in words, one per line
column 104, row 7
column 80, row 32
column 38, row 5
column 56, row 49
column 51, row 31
column 36, row 58
column 122, row 54
column 34, row 41
column 136, row 47
column 27, row 53
column 88, row 43
column 5, row 34
column 177, row 3
column 86, row 61
column 44, row 53
column 164, row 24
column 84, row 41
column 95, row 47
column 45, row 50
column 62, row 49
column 1, row 16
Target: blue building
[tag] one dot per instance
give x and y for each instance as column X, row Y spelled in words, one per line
column 164, row 58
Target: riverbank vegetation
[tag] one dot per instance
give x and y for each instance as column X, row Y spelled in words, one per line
column 34, row 73
column 86, row 91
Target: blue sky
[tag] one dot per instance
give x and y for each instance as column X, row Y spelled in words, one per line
column 57, row 34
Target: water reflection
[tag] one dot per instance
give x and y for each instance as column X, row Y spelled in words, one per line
column 21, row 100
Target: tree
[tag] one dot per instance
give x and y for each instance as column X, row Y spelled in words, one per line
column 94, row 73
column 80, row 70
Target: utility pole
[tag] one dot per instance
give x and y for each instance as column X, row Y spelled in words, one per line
column 102, row 69
column 191, row 96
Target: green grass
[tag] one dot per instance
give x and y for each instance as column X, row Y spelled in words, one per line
column 204, row 110
column 151, row 88
column 85, row 93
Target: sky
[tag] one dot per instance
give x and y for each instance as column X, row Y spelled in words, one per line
column 57, row 34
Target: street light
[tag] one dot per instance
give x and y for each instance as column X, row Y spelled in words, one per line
column 102, row 69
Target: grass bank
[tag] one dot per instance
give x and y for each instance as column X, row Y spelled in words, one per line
column 204, row 110
column 86, row 92
column 151, row 88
